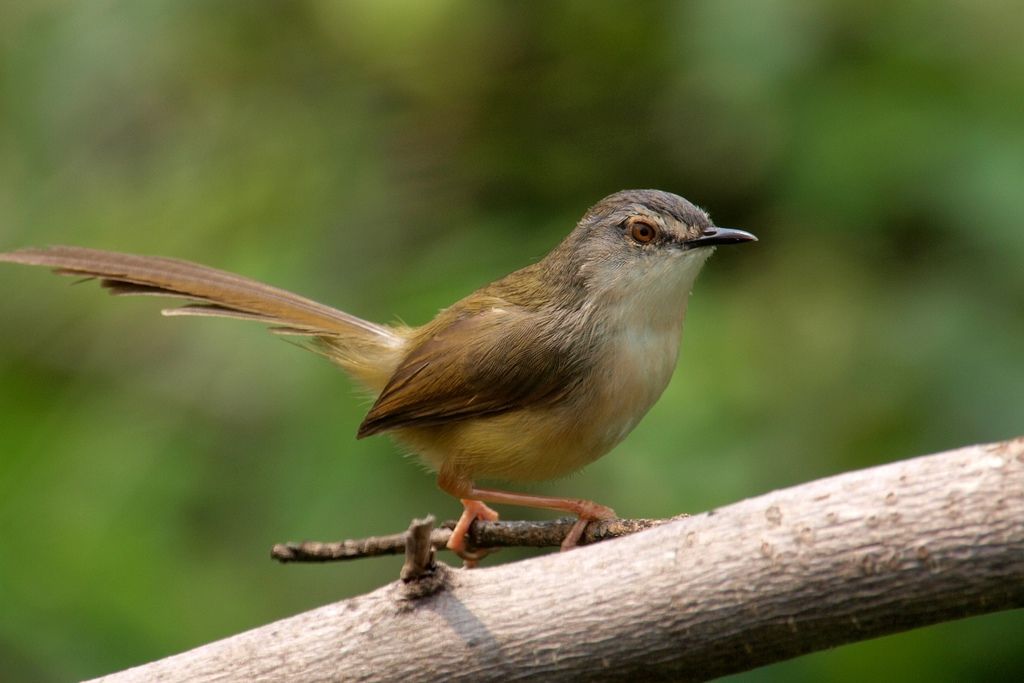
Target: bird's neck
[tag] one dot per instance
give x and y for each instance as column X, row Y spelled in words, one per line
column 653, row 298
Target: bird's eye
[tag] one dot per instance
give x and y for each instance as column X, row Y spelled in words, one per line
column 641, row 231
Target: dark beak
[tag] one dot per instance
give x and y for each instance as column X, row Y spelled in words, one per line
column 714, row 236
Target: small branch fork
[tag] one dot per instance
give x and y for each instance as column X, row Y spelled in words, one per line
column 419, row 553
column 547, row 534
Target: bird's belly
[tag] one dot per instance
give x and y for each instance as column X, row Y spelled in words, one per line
column 548, row 442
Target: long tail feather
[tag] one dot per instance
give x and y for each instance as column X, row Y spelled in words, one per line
column 213, row 292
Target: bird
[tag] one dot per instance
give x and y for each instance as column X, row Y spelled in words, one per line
column 529, row 378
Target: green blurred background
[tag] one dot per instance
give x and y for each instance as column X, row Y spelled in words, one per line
column 390, row 157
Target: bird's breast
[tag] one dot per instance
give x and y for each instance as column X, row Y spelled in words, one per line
column 634, row 368
column 633, row 358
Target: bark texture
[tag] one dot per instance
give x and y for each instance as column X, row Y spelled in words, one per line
column 837, row 560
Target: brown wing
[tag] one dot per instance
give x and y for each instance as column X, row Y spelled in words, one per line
column 481, row 364
column 217, row 293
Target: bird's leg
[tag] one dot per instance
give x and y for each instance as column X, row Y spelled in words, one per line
column 586, row 510
column 459, row 486
column 471, row 510
column 472, row 496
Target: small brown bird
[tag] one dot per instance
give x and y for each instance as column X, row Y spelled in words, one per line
column 530, row 377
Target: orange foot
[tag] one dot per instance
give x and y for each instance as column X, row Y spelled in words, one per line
column 471, row 510
column 588, row 512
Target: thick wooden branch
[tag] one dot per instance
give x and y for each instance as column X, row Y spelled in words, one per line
column 838, row 560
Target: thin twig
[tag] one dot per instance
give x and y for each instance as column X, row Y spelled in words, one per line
column 546, row 534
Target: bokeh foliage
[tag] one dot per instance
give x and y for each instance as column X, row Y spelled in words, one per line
column 389, row 157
